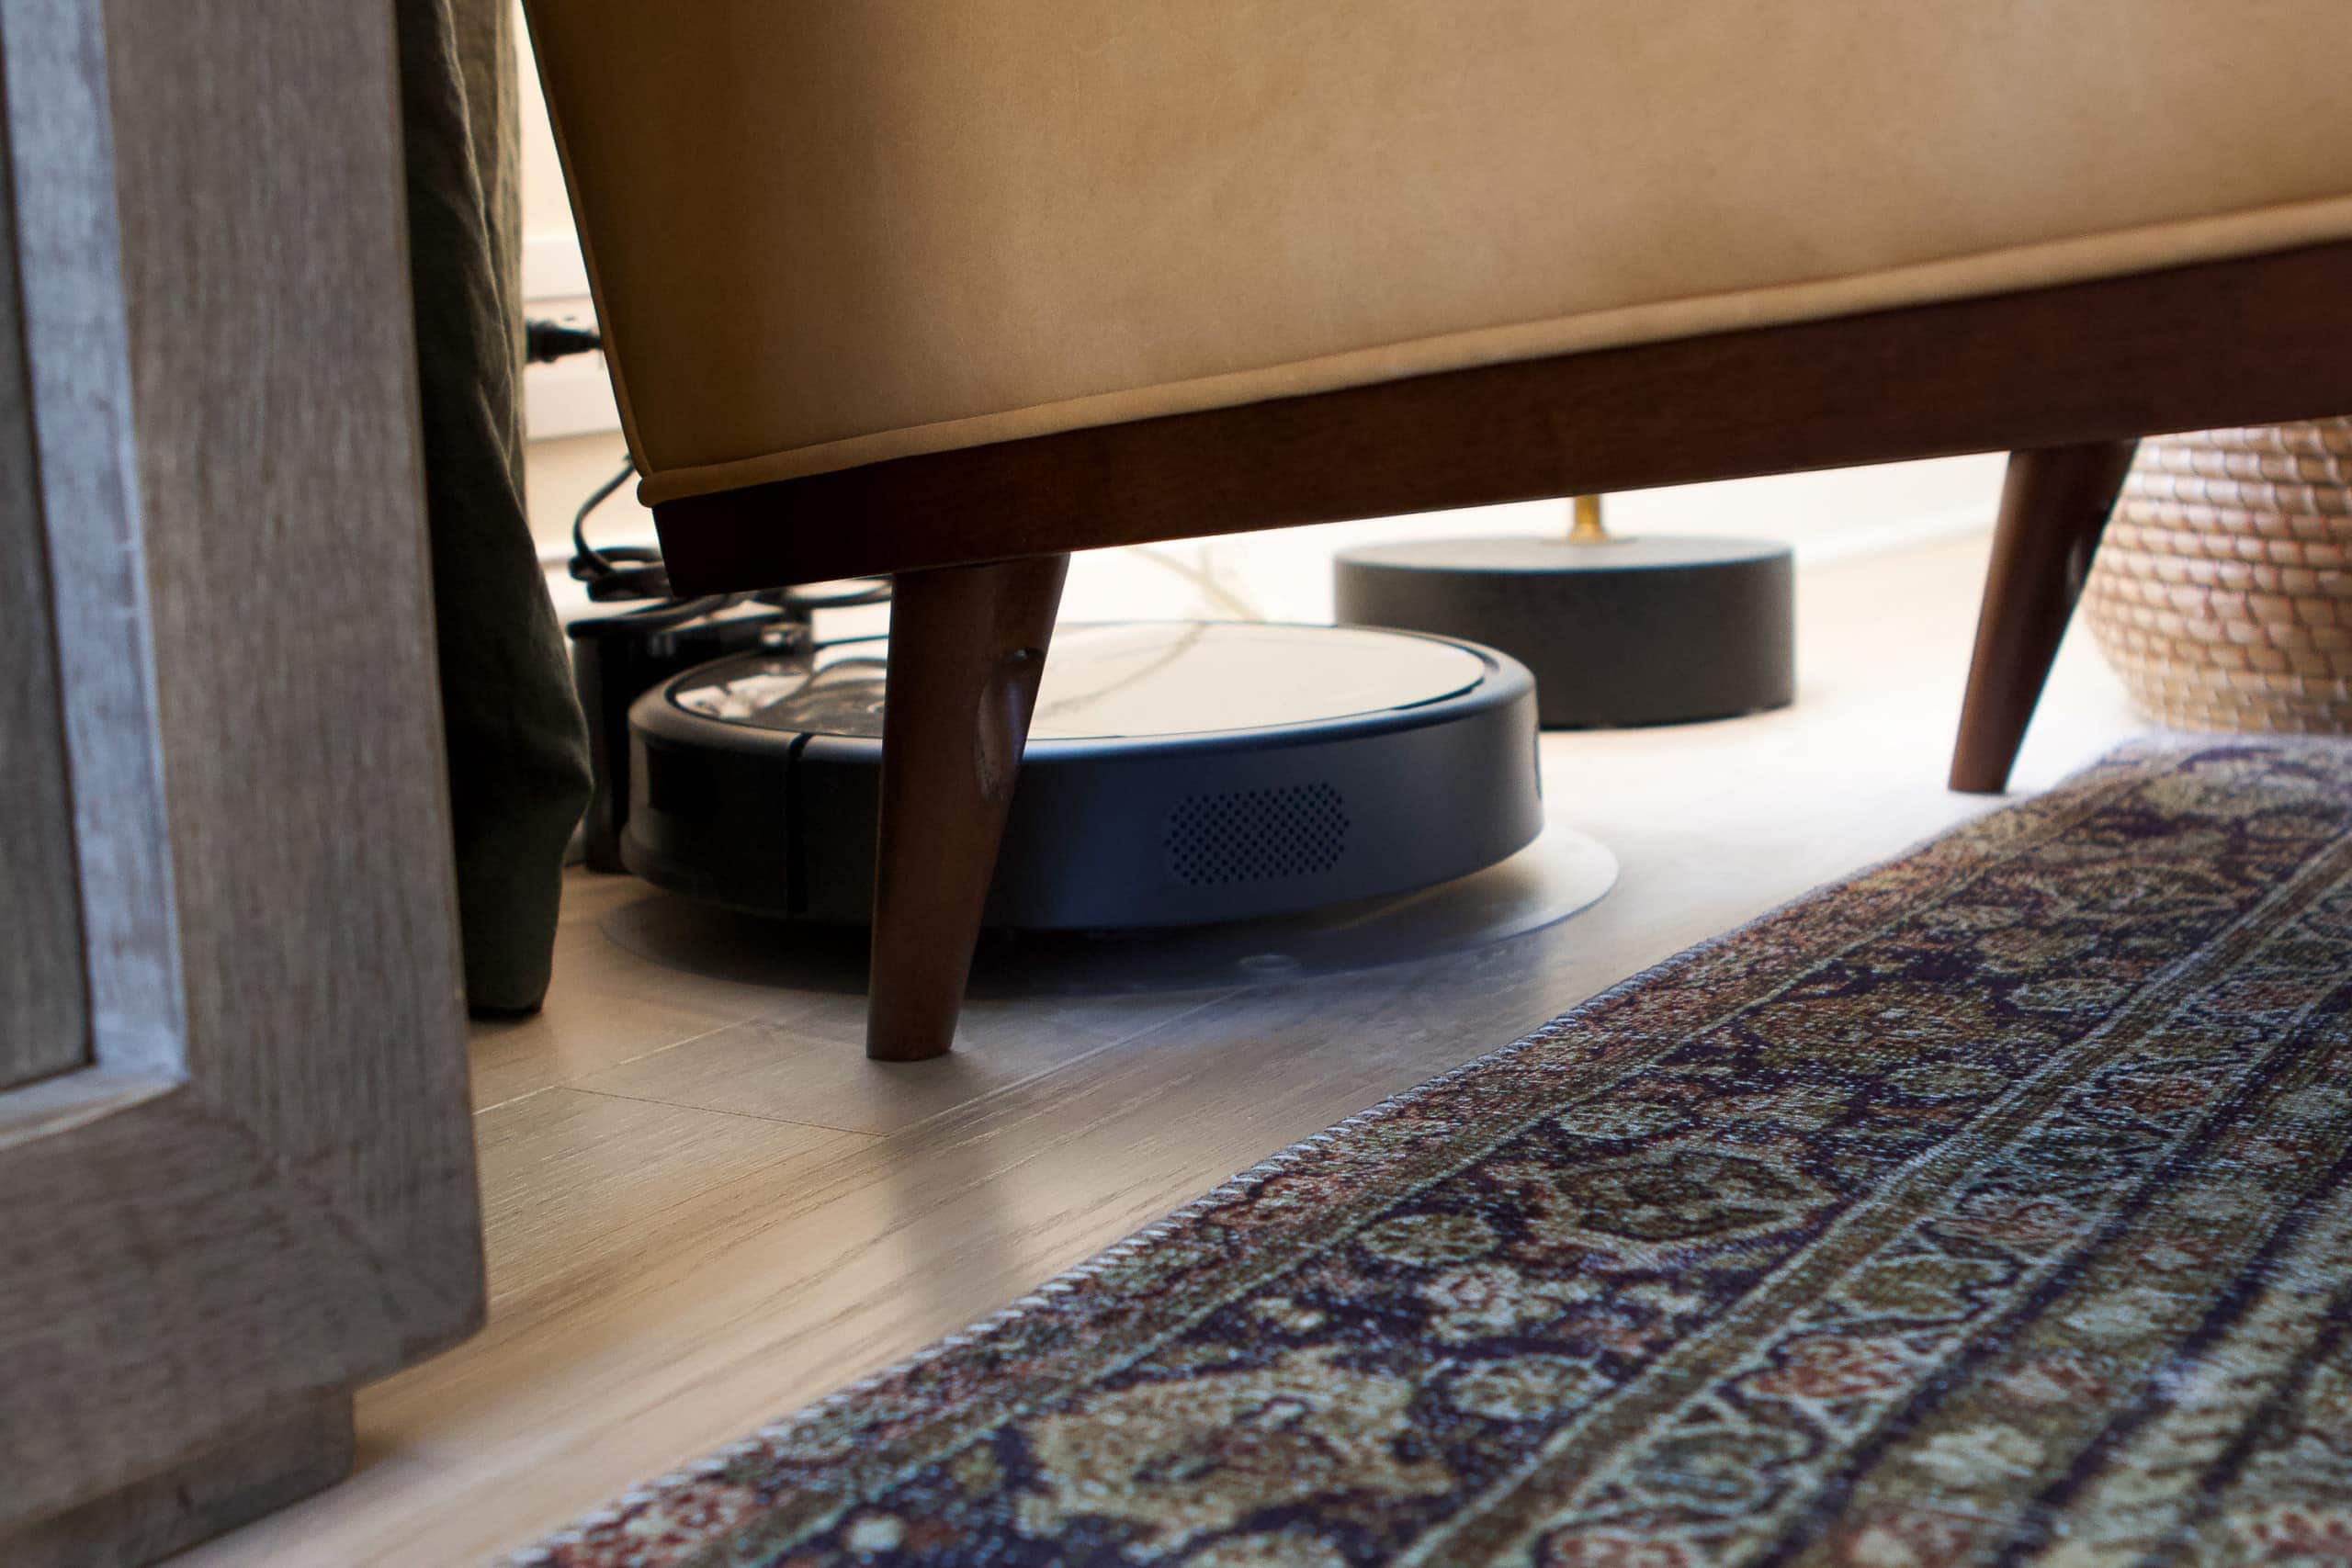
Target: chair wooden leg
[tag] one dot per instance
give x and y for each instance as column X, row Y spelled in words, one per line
column 2054, row 507
column 968, row 648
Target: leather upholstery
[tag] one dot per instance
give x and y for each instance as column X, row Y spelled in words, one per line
column 825, row 235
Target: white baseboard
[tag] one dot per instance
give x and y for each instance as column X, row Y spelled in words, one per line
column 552, row 267
column 1895, row 533
column 572, row 396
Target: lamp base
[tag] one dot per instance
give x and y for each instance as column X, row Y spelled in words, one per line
column 1618, row 632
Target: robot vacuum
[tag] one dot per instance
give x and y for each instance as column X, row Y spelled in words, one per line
column 1177, row 774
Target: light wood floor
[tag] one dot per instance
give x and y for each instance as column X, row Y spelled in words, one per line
column 706, row 1208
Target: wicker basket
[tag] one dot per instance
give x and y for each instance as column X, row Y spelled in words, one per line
column 2223, row 590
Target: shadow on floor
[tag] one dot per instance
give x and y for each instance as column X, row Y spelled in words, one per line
column 1562, row 872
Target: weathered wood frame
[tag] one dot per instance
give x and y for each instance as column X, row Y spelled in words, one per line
column 259, row 1189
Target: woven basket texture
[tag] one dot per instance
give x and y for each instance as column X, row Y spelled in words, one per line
column 2223, row 590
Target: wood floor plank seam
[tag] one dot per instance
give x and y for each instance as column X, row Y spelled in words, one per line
column 576, row 1088
column 578, row 1078
column 926, row 1124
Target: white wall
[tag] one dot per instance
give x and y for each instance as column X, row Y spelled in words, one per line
column 572, row 396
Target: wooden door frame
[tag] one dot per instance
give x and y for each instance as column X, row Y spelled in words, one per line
column 261, row 1190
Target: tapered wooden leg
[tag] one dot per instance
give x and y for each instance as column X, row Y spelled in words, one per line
column 2053, row 508
column 968, row 648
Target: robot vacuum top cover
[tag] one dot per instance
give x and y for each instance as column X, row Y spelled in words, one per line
column 1176, row 772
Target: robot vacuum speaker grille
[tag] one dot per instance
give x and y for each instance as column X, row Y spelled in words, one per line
column 1256, row 835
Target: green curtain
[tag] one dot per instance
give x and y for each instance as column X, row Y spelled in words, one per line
column 517, row 746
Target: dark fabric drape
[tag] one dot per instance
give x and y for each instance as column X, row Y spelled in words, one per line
column 518, row 750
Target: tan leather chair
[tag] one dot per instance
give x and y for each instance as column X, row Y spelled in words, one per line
column 946, row 288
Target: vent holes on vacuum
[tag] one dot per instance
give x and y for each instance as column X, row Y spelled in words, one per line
column 1256, row 835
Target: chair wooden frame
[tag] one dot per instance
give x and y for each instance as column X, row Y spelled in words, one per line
column 2065, row 377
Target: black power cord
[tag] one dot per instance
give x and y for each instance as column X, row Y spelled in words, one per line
column 617, row 658
column 547, row 341
column 629, row 571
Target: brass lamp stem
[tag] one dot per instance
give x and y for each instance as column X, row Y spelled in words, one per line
column 1587, row 528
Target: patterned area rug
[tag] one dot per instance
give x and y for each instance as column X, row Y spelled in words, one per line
column 1994, row 1206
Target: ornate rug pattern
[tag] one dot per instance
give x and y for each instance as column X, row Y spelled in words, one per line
column 1993, row 1206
